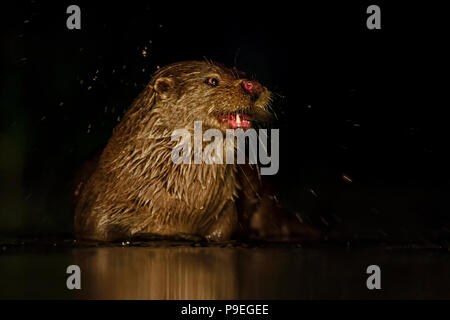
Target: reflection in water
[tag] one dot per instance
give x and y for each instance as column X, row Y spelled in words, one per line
column 164, row 273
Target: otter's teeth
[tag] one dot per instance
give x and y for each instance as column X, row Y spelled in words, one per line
column 238, row 119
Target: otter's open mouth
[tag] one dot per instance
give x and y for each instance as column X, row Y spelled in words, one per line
column 236, row 120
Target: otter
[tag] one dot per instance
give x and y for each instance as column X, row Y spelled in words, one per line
column 133, row 187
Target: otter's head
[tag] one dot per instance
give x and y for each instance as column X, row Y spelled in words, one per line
column 220, row 97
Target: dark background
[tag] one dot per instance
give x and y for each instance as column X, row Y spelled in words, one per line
column 353, row 104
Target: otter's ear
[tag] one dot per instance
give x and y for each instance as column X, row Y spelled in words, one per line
column 163, row 86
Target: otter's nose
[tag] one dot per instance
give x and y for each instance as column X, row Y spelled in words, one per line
column 252, row 87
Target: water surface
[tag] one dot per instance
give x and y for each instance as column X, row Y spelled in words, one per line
column 164, row 270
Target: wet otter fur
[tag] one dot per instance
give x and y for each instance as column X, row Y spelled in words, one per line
column 134, row 188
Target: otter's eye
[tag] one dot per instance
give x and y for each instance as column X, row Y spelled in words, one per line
column 213, row 82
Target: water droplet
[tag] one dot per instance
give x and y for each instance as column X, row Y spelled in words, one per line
column 325, row 222
column 346, row 178
column 299, row 217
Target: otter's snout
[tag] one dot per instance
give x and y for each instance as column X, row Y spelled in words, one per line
column 253, row 88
